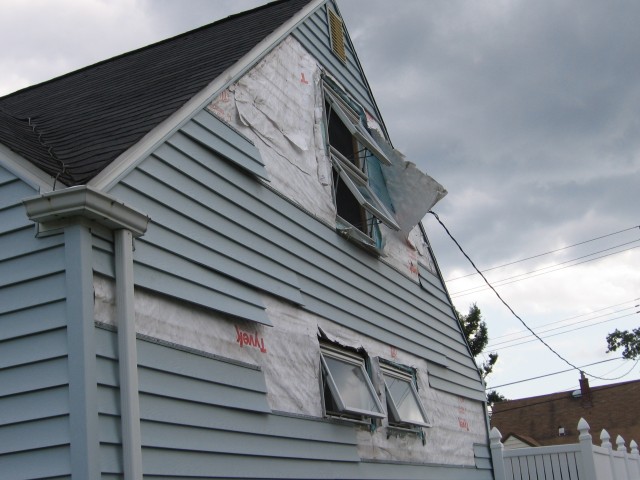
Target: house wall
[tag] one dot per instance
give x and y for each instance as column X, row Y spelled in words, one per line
column 313, row 35
column 226, row 258
column 34, row 376
column 225, row 254
column 203, row 413
column 234, row 233
column 288, row 358
column 540, row 417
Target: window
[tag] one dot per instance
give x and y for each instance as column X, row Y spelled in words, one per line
column 348, row 391
column 350, row 147
column 404, row 407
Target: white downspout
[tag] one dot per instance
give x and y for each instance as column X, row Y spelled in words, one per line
column 127, row 357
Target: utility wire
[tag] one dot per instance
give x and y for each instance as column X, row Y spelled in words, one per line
column 562, row 333
column 505, row 303
column 609, row 372
column 492, row 346
column 504, row 281
column 577, row 316
column 552, row 373
column 565, row 262
column 546, row 253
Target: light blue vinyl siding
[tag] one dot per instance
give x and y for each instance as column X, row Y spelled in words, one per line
column 441, row 377
column 314, row 36
column 206, row 130
column 223, row 232
column 194, row 432
column 201, row 408
column 435, row 330
column 34, row 378
column 482, row 454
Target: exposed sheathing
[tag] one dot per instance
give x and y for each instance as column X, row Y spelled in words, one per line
column 289, row 356
column 279, row 106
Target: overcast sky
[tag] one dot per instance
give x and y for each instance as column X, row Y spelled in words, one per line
column 527, row 112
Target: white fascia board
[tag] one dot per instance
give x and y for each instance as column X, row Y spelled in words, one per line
column 54, row 210
column 26, row 171
column 106, row 179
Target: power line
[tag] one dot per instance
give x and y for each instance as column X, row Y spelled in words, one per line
column 546, row 253
column 565, row 262
column 562, row 333
column 577, row 316
column 552, row 373
column 504, row 302
column 492, row 346
column 503, row 282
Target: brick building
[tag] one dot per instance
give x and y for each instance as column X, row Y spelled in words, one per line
column 552, row 419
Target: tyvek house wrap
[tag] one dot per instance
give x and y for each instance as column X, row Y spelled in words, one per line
column 288, row 354
column 279, row 105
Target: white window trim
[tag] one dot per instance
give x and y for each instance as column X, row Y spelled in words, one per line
column 394, row 416
column 345, row 357
column 355, row 180
column 355, row 126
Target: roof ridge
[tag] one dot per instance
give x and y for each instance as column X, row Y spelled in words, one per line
column 143, row 48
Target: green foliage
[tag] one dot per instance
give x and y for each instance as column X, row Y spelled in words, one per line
column 628, row 341
column 477, row 335
column 495, row 397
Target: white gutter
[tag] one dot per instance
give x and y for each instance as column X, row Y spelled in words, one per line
column 54, row 211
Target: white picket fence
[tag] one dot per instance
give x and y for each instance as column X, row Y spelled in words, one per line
column 578, row 461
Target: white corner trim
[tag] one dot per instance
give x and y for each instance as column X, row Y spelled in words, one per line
column 25, row 170
column 108, row 177
column 54, row 210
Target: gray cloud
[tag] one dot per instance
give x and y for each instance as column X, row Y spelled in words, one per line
column 527, row 112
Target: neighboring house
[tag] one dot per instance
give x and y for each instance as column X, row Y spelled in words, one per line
column 552, row 419
column 211, row 266
column 513, row 440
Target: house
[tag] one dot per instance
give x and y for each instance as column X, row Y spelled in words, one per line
column 211, row 266
column 552, row 419
column 514, row 440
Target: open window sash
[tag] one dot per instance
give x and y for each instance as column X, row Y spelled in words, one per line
column 350, row 386
column 353, row 124
column 357, row 184
column 403, row 401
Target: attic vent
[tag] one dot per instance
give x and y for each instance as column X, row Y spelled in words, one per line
column 337, row 35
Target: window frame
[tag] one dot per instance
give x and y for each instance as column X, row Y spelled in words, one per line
column 353, row 174
column 356, row 180
column 401, row 373
column 352, row 121
column 345, row 357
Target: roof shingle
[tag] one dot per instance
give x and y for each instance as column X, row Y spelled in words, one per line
column 73, row 126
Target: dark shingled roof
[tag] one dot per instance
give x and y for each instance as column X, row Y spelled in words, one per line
column 85, row 119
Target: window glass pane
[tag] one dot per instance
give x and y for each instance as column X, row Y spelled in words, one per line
column 365, row 195
column 352, row 384
column 403, row 397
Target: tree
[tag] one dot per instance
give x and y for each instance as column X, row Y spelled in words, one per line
column 629, row 341
column 495, row 397
column 477, row 334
